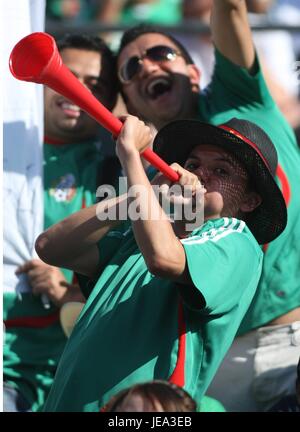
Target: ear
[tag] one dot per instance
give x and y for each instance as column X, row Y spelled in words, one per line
column 194, row 75
column 251, row 201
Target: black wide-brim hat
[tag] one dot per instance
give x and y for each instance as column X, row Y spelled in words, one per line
column 251, row 146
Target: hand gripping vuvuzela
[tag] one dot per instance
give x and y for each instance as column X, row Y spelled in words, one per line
column 36, row 58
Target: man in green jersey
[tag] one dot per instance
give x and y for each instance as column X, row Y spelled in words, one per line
column 74, row 166
column 160, row 83
column 168, row 297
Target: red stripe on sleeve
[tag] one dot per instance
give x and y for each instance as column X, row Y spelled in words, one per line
column 285, row 189
column 178, row 375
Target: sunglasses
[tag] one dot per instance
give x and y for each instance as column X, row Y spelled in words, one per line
column 133, row 65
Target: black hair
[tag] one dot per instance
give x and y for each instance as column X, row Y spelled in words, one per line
column 94, row 43
column 84, row 41
column 134, row 32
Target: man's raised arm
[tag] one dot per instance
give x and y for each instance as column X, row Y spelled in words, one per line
column 231, row 32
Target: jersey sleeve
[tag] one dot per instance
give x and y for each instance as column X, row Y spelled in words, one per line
column 107, row 247
column 224, row 265
column 110, row 243
column 235, row 86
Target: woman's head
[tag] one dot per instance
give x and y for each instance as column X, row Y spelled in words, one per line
column 153, row 396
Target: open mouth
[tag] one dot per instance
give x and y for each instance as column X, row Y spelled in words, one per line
column 158, row 87
column 69, row 108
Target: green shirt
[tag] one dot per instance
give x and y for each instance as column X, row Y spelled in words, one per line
column 233, row 92
column 209, row 404
column 72, row 173
column 34, row 339
column 129, row 329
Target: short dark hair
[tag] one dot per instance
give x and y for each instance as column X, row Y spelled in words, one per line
column 94, row 43
column 84, row 41
column 171, row 397
column 141, row 29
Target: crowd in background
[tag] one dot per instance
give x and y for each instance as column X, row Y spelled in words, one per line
column 279, row 50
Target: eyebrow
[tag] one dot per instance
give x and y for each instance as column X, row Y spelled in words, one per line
column 221, row 159
column 87, row 76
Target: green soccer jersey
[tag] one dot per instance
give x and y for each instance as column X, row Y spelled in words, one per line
column 233, row 92
column 72, row 173
column 137, row 327
column 34, row 339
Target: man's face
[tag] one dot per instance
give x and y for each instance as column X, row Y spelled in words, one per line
column 225, row 180
column 160, row 91
column 63, row 119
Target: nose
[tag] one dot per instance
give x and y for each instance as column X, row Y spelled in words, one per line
column 147, row 66
column 203, row 175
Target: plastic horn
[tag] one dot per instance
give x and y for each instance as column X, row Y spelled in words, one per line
column 36, row 58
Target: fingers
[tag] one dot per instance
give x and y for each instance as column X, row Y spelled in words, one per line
column 186, row 178
column 39, row 273
column 160, row 179
column 134, row 133
column 188, row 181
column 40, row 287
column 187, row 191
column 45, row 279
column 29, row 265
column 51, row 282
column 36, row 275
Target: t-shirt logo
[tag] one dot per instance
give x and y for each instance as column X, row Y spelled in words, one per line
column 64, row 189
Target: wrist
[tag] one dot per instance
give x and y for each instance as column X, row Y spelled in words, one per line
column 129, row 157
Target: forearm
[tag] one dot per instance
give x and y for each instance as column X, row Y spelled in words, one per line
column 231, row 32
column 67, row 242
column 162, row 251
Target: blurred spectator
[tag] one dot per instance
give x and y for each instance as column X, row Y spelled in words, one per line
column 288, row 12
column 152, row 396
column 278, row 70
column 62, row 9
column 74, row 165
column 132, row 12
column 22, row 181
column 75, row 11
column 199, row 46
column 290, row 403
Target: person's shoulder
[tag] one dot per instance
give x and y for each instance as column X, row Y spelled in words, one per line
column 232, row 73
column 225, row 232
column 214, row 228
